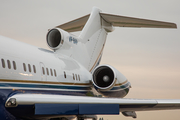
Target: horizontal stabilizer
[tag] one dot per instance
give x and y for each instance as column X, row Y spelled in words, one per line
column 74, row 25
column 116, row 20
column 122, row 21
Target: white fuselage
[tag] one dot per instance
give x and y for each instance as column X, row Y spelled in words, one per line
column 27, row 64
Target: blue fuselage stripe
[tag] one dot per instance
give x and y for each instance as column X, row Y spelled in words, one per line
column 75, row 87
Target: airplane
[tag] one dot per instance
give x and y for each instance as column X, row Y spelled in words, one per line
column 68, row 82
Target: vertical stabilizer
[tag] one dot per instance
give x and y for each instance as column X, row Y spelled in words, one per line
column 88, row 47
column 93, row 36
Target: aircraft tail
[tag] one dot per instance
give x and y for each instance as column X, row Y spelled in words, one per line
column 92, row 38
column 94, row 35
column 95, row 27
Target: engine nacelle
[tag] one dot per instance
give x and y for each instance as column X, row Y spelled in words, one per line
column 109, row 81
column 57, row 38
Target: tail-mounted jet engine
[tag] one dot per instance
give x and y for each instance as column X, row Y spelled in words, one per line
column 108, row 81
column 57, row 38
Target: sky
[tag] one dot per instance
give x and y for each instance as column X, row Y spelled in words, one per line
column 148, row 57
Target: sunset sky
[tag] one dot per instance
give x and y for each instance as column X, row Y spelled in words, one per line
column 148, row 57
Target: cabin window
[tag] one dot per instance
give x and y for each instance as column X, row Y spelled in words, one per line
column 47, row 71
column 73, row 77
column 64, row 74
column 43, row 71
column 24, row 66
column 51, row 72
column 79, row 77
column 9, row 64
column 3, row 63
column 34, row 68
column 55, row 72
column 14, row 65
column 29, row 66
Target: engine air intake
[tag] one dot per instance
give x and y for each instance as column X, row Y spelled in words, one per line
column 54, row 38
column 103, row 76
